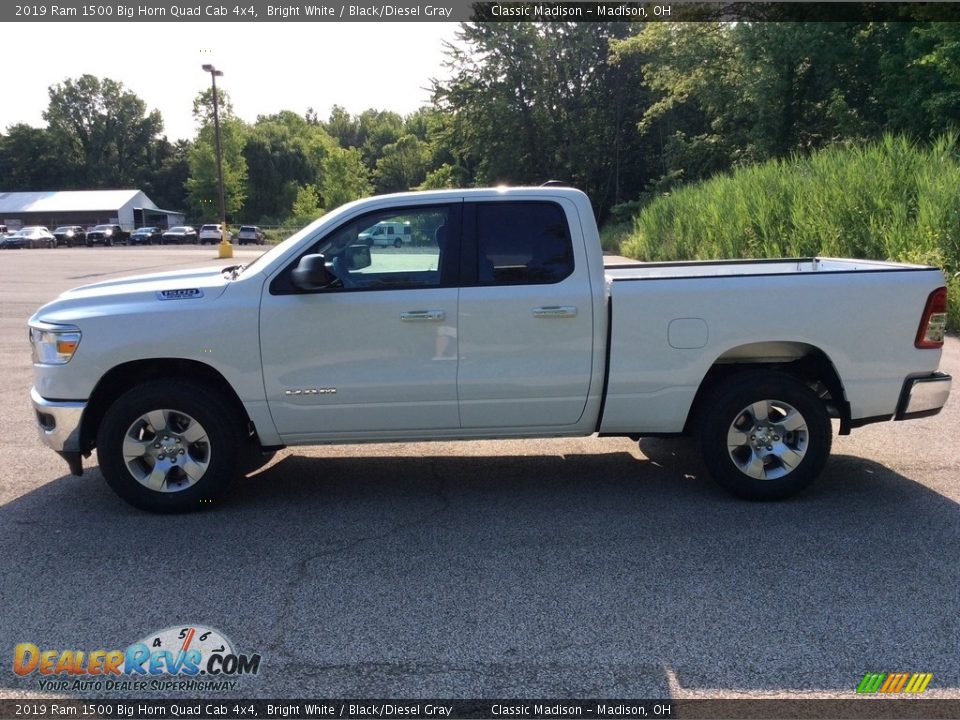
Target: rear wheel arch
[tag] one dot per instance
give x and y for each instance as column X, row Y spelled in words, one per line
column 803, row 361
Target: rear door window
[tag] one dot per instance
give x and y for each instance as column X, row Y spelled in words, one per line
column 522, row 243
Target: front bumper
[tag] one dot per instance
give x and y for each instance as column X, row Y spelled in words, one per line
column 923, row 396
column 58, row 423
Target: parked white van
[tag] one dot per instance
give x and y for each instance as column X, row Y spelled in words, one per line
column 385, row 234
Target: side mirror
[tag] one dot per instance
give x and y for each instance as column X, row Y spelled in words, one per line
column 311, row 273
column 357, row 257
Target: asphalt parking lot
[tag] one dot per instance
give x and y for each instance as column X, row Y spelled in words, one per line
column 554, row 569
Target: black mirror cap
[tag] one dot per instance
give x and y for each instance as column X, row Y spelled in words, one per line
column 311, row 273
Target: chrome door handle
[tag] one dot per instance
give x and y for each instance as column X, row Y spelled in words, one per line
column 423, row 316
column 555, row 311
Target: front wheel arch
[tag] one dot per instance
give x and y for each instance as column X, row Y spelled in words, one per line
column 121, row 378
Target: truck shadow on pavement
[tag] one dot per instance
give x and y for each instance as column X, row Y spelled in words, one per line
column 602, row 575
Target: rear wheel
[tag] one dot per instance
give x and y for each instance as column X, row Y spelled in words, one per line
column 169, row 446
column 765, row 435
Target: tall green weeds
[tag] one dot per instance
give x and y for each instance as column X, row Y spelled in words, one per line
column 892, row 200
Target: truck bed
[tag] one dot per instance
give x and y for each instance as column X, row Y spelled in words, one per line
column 714, row 268
column 670, row 322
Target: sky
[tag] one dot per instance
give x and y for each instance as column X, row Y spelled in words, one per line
column 267, row 67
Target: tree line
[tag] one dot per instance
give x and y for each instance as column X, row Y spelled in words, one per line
column 625, row 111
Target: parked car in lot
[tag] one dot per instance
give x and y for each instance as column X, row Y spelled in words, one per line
column 146, row 236
column 179, row 235
column 210, row 234
column 33, row 236
column 70, row 235
column 249, row 234
column 107, row 235
column 504, row 324
column 12, row 240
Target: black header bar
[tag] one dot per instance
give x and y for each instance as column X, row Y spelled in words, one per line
column 386, row 709
column 459, row 11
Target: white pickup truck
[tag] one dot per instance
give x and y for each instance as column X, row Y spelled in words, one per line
column 500, row 322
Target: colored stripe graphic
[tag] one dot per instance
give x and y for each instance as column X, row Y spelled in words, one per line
column 892, row 683
column 918, row 683
column 871, row 682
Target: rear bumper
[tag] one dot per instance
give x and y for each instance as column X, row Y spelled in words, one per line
column 923, row 396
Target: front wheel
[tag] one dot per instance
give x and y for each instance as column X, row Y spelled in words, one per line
column 169, row 446
column 765, row 435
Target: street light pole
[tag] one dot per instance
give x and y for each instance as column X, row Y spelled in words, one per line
column 226, row 249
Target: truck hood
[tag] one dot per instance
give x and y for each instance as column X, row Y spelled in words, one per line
column 179, row 288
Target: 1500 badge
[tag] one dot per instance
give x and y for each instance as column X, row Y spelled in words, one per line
column 181, row 294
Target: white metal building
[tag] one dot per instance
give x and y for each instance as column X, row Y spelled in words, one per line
column 129, row 208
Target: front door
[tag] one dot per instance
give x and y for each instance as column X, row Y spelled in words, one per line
column 376, row 350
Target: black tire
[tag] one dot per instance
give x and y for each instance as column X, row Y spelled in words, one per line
column 764, row 458
column 397, row 243
column 200, row 433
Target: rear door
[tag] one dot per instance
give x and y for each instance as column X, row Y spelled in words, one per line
column 525, row 327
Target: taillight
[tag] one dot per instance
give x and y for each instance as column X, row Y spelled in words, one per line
column 934, row 320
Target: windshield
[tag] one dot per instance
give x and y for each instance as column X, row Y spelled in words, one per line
column 102, row 227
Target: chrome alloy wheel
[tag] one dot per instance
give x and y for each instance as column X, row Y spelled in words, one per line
column 166, row 450
column 768, row 439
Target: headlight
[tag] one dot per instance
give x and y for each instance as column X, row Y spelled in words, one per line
column 53, row 344
column 108, row 232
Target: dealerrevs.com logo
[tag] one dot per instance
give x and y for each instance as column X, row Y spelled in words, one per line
column 187, row 657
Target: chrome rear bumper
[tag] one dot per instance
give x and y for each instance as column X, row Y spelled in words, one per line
column 923, row 396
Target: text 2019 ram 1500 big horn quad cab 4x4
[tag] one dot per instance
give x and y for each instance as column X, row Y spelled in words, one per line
column 500, row 321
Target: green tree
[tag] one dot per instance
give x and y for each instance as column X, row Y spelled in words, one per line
column 343, row 127
column 31, row 159
column 403, row 165
column 163, row 179
column 202, row 185
column 529, row 102
column 105, row 131
column 730, row 94
column 345, row 178
column 440, row 178
column 284, row 152
column 306, row 206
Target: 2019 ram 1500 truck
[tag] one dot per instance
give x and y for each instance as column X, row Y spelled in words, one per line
column 502, row 323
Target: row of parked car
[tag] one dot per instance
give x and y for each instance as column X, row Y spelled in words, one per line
column 38, row 236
